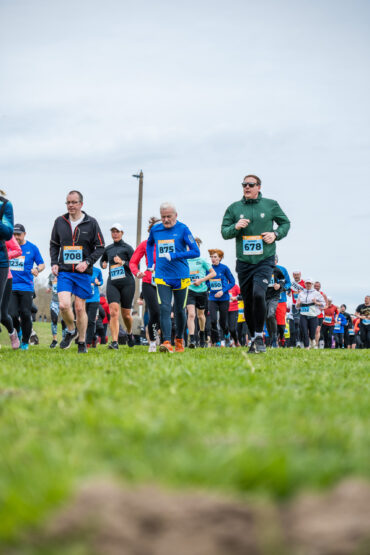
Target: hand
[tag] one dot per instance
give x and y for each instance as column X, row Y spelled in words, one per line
column 82, row 267
column 242, row 223
column 268, row 237
column 140, row 302
column 35, row 272
column 276, row 286
column 55, row 269
column 151, row 269
column 167, row 256
column 97, row 282
column 219, row 294
column 233, row 298
column 104, row 265
column 197, row 282
column 118, row 260
column 140, row 275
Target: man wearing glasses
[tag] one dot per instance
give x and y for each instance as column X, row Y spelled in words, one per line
column 251, row 222
column 76, row 244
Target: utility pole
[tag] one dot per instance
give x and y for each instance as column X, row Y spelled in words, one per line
column 140, row 177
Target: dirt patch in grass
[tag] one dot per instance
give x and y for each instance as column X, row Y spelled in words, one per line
column 106, row 519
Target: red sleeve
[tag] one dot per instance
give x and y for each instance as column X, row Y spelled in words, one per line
column 136, row 257
column 13, row 248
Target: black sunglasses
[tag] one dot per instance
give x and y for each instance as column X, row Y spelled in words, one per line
column 249, row 184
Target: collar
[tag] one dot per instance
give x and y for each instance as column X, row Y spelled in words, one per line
column 252, row 200
column 85, row 218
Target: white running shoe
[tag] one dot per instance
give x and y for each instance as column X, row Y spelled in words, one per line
column 152, row 347
column 14, row 340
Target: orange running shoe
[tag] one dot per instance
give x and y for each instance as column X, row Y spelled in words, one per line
column 179, row 345
column 166, row 347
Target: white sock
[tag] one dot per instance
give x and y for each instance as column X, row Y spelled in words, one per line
column 153, row 343
column 72, row 331
column 258, row 334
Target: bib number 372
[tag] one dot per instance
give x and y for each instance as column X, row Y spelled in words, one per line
column 252, row 245
column 72, row 255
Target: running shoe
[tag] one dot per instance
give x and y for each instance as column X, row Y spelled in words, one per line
column 130, row 340
column 14, row 339
column 218, row 344
column 192, row 345
column 24, row 347
column 179, row 345
column 68, row 338
column 166, row 347
column 227, row 340
column 202, row 344
column 82, row 347
column 260, row 346
column 113, row 345
column 252, row 347
column 53, row 344
column 152, row 347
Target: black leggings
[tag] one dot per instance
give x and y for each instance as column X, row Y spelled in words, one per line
column 327, row 333
column 165, row 299
column 233, row 322
column 271, row 324
column 6, row 319
column 20, row 306
column 92, row 312
column 3, row 281
column 149, row 292
column 308, row 328
column 223, row 308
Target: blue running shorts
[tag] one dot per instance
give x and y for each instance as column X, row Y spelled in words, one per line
column 77, row 284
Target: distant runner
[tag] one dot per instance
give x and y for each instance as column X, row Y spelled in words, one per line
column 14, row 251
column 363, row 313
column 219, row 298
column 6, row 233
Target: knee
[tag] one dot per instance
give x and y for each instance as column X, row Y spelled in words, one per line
column 64, row 305
column 259, row 293
column 80, row 309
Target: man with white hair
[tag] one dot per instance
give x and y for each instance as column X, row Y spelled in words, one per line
column 174, row 244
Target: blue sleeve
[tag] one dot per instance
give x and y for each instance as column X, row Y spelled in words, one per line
column 7, row 223
column 189, row 240
column 288, row 283
column 150, row 249
column 100, row 276
column 230, row 278
column 37, row 256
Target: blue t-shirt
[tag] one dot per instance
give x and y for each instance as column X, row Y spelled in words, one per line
column 339, row 325
column 223, row 281
column 174, row 241
column 95, row 288
column 21, row 267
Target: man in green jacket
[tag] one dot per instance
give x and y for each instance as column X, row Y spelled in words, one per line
column 251, row 222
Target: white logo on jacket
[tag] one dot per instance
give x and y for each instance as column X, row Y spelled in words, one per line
column 262, row 215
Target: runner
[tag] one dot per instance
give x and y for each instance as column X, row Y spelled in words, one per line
column 219, row 297
column 148, row 288
column 171, row 240
column 363, row 313
column 13, row 250
column 338, row 330
column 330, row 316
column 273, row 293
column 54, row 309
column 297, row 286
column 320, row 317
column 251, row 222
column 308, row 302
column 6, row 233
column 120, row 285
column 76, row 244
column 281, row 310
column 23, row 271
column 349, row 333
column 92, row 306
column 233, row 315
column 242, row 328
column 201, row 271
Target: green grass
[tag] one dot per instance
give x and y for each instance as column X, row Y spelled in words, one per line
column 200, row 419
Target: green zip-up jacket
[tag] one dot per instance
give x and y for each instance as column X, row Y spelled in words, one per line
column 262, row 213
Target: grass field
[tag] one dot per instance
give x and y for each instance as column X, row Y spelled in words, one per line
column 208, row 419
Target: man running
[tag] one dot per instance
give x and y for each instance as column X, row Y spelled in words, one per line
column 174, row 244
column 24, row 269
column 363, row 313
column 274, row 290
column 320, row 317
column 201, row 271
column 76, row 244
column 251, row 222
column 298, row 285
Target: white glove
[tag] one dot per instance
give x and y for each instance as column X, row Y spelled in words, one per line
column 167, row 256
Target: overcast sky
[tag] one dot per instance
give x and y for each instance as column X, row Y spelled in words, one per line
column 196, row 94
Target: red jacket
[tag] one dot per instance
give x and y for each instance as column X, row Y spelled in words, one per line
column 135, row 261
column 105, row 305
column 330, row 312
column 295, row 293
column 234, row 292
column 14, row 250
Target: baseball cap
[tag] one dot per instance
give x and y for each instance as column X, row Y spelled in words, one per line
column 19, row 228
column 309, row 280
column 116, row 226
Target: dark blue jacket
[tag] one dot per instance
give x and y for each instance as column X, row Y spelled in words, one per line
column 6, row 229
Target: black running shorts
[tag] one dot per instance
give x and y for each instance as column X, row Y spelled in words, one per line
column 121, row 293
column 200, row 300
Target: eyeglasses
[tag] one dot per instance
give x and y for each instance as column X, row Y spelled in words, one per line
column 72, row 202
column 251, row 185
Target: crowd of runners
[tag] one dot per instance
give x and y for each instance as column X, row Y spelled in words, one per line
column 188, row 300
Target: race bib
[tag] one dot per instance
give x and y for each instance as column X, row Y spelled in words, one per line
column 305, row 309
column 117, row 271
column 272, row 281
column 252, row 244
column 327, row 319
column 351, row 332
column 194, row 276
column 72, row 255
column 166, row 246
column 17, row 264
column 337, row 327
column 215, row 284
column 366, row 321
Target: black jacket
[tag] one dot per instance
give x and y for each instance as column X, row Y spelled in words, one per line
column 277, row 277
column 124, row 251
column 87, row 235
